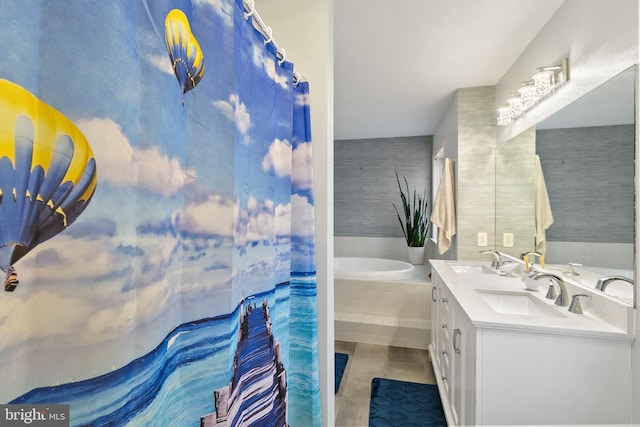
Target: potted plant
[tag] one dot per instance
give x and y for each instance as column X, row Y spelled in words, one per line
column 414, row 221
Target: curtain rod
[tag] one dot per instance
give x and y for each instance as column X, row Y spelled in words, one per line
column 267, row 33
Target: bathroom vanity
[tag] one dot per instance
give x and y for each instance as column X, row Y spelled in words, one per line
column 504, row 355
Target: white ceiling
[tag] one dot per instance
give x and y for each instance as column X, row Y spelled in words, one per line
column 397, row 63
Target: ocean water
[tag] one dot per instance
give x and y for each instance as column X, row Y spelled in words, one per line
column 174, row 383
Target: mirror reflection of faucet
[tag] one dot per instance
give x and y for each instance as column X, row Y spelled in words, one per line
column 496, row 262
column 501, row 266
column 572, row 271
column 531, row 255
column 602, row 283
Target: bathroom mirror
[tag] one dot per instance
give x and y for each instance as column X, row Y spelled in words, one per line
column 587, row 153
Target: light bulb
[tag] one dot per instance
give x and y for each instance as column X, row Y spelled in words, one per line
column 515, row 105
column 543, row 82
column 528, row 95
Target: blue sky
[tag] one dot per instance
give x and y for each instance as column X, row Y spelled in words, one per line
column 190, row 199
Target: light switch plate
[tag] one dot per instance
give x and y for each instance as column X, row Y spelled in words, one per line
column 507, row 240
column 482, row 239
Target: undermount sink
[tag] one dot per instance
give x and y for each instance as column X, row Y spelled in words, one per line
column 522, row 303
column 465, row 268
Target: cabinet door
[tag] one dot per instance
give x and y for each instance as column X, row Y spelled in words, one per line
column 462, row 393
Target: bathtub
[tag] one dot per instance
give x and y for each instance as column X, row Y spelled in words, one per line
column 372, row 268
column 382, row 301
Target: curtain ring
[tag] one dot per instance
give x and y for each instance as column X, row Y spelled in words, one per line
column 249, row 5
column 280, row 51
column 268, row 39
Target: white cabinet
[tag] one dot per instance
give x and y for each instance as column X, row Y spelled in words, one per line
column 493, row 375
column 452, row 348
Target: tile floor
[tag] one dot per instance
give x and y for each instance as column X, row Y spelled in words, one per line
column 368, row 361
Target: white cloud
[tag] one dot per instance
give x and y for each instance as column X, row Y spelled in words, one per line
column 235, row 111
column 268, row 64
column 44, row 314
column 144, row 306
column 252, row 204
column 119, row 163
column 214, row 216
column 261, row 227
column 161, row 174
column 302, row 167
column 255, row 206
column 256, row 223
column 53, row 297
column 282, row 220
column 302, row 223
column 161, row 62
column 89, row 258
column 157, row 258
column 278, row 158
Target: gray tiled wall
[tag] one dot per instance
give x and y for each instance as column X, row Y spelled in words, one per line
column 365, row 185
column 589, row 176
column 475, row 170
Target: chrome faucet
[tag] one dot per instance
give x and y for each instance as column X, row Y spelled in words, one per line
column 563, row 298
column 497, row 261
column 602, row 283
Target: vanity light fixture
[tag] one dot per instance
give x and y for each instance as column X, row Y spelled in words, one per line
column 528, row 94
column 542, row 84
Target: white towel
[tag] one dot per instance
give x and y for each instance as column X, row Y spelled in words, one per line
column 544, row 216
column 444, row 210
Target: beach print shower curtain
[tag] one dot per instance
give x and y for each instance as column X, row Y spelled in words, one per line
column 156, row 217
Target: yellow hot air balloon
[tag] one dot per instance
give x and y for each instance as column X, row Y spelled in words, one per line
column 47, row 174
column 185, row 53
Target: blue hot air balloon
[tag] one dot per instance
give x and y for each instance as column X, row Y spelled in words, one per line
column 47, row 174
column 185, row 53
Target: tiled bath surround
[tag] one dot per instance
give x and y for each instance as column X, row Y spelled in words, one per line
column 396, row 313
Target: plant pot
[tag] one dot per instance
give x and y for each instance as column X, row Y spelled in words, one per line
column 416, row 254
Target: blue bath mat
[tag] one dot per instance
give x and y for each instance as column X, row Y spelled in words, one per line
column 341, row 364
column 400, row 403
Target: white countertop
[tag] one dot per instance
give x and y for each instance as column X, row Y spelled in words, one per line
column 465, row 286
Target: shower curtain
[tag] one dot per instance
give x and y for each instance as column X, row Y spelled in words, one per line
column 156, row 216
